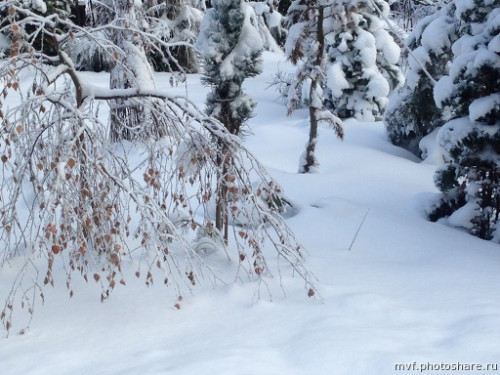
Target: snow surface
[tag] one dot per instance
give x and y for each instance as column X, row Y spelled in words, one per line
column 395, row 287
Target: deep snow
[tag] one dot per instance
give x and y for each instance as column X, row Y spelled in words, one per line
column 395, row 288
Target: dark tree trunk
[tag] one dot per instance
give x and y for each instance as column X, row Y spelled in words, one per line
column 310, row 159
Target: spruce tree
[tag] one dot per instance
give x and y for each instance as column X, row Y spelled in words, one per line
column 309, row 22
column 469, row 97
column 231, row 47
column 363, row 59
column 271, row 24
column 412, row 113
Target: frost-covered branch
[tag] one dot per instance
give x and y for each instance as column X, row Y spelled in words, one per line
column 73, row 198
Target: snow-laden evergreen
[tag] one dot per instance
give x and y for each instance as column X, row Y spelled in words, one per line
column 309, row 24
column 231, row 47
column 469, row 97
column 363, row 59
column 412, row 113
column 271, row 24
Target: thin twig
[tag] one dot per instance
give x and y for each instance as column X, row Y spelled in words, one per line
column 359, row 228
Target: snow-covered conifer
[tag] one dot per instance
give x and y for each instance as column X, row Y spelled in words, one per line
column 363, row 59
column 271, row 24
column 412, row 113
column 309, row 23
column 231, row 47
column 469, row 97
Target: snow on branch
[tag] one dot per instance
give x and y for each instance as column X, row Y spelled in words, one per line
column 71, row 197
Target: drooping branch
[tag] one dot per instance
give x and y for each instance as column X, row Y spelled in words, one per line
column 69, row 196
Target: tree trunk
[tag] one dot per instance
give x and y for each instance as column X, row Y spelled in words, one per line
column 221, row 216
column 310, row 159
column 129, row 120
column 224, row 161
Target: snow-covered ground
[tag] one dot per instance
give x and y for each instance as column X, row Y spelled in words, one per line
column 396, row 289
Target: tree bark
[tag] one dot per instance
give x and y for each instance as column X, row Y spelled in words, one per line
column 127, row 117
column 310, row 159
